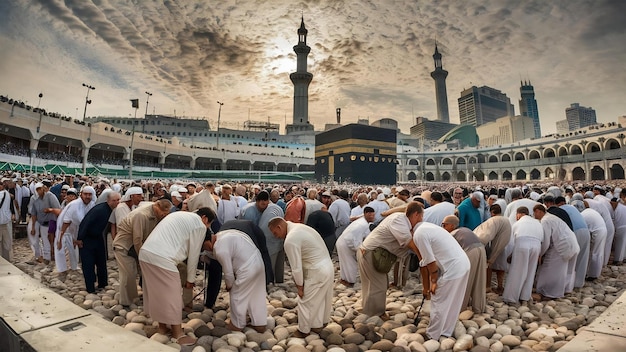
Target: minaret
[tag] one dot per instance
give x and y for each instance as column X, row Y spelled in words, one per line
column 528, row 105
column 439, row 75
column 301, row 79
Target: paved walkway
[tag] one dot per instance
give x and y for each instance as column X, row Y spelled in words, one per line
column 606, row 333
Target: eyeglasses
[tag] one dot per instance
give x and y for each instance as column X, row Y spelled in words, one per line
column 458, row 193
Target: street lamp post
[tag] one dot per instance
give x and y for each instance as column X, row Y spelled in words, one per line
column 143, row 128
column 87, row 101
column 219, row 116
column 147, row 99
column 39, row 110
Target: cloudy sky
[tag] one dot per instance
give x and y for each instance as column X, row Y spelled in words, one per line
column 372, row 58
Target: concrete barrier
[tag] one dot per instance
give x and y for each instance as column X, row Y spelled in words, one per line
column 35, row 318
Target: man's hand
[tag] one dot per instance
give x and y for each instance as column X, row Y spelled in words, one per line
column 433, row 287
column 78, row 243
column 300, row 291
column 189, row 285
column 59, row 244
column 32, row 231
column 426, row 293
column 228, row 288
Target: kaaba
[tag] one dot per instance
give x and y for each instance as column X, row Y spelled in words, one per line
column 356, row 153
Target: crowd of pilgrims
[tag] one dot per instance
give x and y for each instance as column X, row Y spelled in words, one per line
column 541, row 241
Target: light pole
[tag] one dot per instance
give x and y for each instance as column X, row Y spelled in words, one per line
column 87, row 101
column 39, row 110
column 143, row 128
column 219, row 116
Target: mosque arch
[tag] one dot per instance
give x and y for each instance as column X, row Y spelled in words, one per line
column 548, row 153
column 472, row 160
column 562, row 174
column 430, row 176
column 534, row 155
column 578, row 174
column 430, row 161
column 611, row 144
column 562, row 151
column 412, row 176
column 520, row 175
column 617, row 172
column 493, row 176
column 493, row 159
column 535, row 174
column 519, row 156
column 593, row 147
column 460, row 160
column 445, row 176
column 446, row 161
column 576, row 150
column 507, row 176
column 597, row 173
column 460, row 176
column 481, row 159
column 413, row 162
column 548, row 173
column 506, row 157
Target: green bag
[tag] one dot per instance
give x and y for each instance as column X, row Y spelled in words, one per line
column 383, row 260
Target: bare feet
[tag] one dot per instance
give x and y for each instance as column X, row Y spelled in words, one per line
column 299, row 334
column 346, row 283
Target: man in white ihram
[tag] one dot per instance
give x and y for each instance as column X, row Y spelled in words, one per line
column 244, row 275
column 312, row 271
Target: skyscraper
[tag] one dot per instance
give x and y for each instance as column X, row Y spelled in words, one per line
column 579, row 116
column 301, row 80
column 478, row 106
column 528, row 105
column 441, row 93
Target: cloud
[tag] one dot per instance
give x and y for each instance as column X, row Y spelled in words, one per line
column 373, row 60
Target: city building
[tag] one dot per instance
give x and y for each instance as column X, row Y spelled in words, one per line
column 429, row 130
column 478, row 106
column 441, row 94
column 579, row 116
column 356, row 153
column 506, row 130
column 301, row 80
column 528, row 106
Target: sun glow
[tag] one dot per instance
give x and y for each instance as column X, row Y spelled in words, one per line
column 279, row 57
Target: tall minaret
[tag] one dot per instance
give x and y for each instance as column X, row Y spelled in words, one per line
column 301, row 79
column 439, row 75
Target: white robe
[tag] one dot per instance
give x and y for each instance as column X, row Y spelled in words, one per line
column 610, row 227
column 72, row 214
column 619, row 245
column 511, row 208
column 310, row 266
column 597, row 230
column 437, row 245
column 559, row 251
column 347, row 245
column 527, row 235
column 244, row 275
column 340, row 211
column 227, row 209
column 435, row 214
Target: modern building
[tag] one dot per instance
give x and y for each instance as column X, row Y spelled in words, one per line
column 528, row 106
column 478, row 106
column 506, row 130
column 427, row 130
column 441, row 93
column 579, row 116
column 301, row 80
column 356, row 153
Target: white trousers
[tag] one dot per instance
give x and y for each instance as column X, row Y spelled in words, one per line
column 348, row 266
column 67, row 246
column 41, row 236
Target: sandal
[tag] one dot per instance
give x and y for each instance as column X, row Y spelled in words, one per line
column 185, row 340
